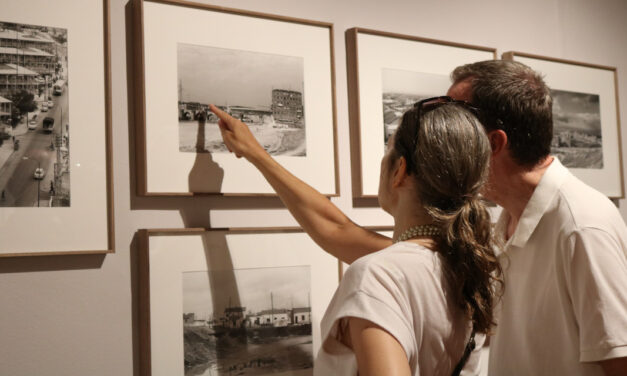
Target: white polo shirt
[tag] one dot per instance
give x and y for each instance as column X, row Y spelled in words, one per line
column 565, row 267
column 402, row 289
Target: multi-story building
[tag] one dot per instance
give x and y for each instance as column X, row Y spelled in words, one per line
column 287, row 106
column 5, row 108
column 26, row 52
column 27, row 38
column 31, row 58
column 14, row 78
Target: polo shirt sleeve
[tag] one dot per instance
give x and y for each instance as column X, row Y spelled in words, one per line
column 371, row 292
column 596, row 273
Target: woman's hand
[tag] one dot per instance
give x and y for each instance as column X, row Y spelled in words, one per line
column 237, row 136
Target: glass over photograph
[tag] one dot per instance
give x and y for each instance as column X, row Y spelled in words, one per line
column 34, row 113
column 401, row 89
column 266, row 91
column 577, row 139
column 264, row 330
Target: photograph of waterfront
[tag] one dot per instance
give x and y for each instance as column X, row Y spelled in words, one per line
column 577, row 139
column 263, row 327
column 401, row 89
column 266, row 91
column 34, row 116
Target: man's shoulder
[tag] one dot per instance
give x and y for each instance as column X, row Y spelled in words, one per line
column 581, row 206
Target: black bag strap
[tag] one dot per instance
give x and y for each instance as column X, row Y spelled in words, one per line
column 469, row 347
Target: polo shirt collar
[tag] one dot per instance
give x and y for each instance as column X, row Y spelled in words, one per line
column 538, row 204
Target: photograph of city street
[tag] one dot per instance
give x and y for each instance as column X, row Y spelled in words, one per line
column 577, row 140
column 263, row 90
column 401, row 89
column 34, row 126
column 264, row 329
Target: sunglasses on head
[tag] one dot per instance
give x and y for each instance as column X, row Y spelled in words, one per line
column 430, row 104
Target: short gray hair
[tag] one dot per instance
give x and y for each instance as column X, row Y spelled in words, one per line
column 514, row 98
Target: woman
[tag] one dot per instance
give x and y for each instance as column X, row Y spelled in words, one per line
column 408, row 305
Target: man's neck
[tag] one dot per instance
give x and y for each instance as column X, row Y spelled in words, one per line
column 514, row 188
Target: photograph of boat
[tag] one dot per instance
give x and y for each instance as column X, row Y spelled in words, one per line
column 265, row 328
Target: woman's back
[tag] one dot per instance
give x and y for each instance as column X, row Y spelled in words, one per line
column 403, row 290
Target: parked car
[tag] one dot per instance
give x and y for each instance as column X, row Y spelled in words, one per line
column 44, row 107
column 39, row 173
column 50, row 104
column 32, row 124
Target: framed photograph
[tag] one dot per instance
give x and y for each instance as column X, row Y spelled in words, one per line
column 241, row 302
column 586, row 120
column 387, row 74
column 55, row 128
column 275, row 73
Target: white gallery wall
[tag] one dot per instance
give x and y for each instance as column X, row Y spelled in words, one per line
column 77, row 315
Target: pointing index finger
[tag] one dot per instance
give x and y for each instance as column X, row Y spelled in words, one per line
column 219, row 113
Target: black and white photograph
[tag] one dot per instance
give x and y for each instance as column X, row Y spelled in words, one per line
column 34, row 116
column 401, row 89
column 266, row 91
column 265, row 329
column 577, row 139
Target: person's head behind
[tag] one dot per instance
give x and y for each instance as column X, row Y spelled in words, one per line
column 514, row 98
column 447, row 155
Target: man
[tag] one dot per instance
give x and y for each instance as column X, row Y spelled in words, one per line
column 564, row 310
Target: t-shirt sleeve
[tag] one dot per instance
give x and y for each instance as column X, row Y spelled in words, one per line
column 596, row 273
column 372, row 293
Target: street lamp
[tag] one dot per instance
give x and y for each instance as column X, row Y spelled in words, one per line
column 38, row 180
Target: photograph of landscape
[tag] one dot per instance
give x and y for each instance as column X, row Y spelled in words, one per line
column 577, row 139
column 401, row 89
column 265, row 91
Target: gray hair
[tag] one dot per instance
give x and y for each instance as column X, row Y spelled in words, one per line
column 448, row 154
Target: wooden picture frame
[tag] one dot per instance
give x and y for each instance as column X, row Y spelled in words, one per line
column 586, row 119
column 60, row 53
column 177, row 269
column 392, row 69
column 291, row 110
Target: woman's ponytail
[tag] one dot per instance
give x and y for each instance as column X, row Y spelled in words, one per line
column 449, row 157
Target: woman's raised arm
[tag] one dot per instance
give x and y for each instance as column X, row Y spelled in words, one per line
column 319, row 217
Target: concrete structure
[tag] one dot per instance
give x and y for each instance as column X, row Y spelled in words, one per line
column 287, row 106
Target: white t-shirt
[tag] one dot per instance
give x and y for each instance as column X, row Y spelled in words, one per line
column 565, row 267
column 402, row 289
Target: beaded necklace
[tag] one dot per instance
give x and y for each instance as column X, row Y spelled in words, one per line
column 420, row 230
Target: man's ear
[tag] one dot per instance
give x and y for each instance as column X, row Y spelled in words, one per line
column 400, row 171
column 498, row 141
